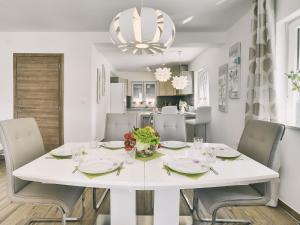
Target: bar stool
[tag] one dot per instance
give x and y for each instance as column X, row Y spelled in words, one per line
column 194, row 126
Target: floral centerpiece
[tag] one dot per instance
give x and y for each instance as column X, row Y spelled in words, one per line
column 144, row 140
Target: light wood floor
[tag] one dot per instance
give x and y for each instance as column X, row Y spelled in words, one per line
column 17, row 214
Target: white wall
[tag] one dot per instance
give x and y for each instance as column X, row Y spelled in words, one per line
column 285, row 8
column 100, row 110
column 287, row 11
column 227, row 127
column 221, row 129
column 77, row 50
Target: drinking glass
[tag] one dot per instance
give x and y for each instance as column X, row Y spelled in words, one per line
column 93, row 143
column 130, row 156
column 77, row 155
column 210, row 155
column 198, row 143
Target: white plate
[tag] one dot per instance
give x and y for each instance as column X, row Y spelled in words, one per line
column 174, row 144
column 226, row 152
column 113, row 144
column 186, row 165
column 99, row 166
column 61, row 152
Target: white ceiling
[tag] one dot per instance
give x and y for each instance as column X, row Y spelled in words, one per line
column 128, row 62
column 96, row 15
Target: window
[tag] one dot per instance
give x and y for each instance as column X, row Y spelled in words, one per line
column 293, row 101
column 201, row 88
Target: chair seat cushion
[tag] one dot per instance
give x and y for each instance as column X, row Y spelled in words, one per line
column 214, row 198
column 64, row 196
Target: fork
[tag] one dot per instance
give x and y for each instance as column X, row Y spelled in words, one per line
column 214, row 171
column 76, row 168
column 168, row 170
column 119, row 169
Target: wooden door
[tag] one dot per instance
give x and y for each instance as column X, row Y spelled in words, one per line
column 38, row 93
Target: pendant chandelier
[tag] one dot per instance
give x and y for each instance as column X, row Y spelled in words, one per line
column 163, row 74
column 180, row 82
column 144, row 31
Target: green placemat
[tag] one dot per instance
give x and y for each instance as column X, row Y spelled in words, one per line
column 102, row 146
column 229, row 158
column 61, row 157
column 187, row 146
column 192, row 176
column 92, row 176
column 146, row 159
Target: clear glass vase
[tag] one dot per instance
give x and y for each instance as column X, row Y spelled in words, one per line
column 130, row 156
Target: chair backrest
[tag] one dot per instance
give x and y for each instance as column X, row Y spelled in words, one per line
column 259, row 141
column 22, row 143
column 169, row 109
column 119, row 124
column 170, row 127
column 203, row 114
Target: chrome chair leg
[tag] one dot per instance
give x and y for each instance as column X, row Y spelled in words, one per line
column 96, row 205
column 187, row 201
column 64, row 218
column 214, row 219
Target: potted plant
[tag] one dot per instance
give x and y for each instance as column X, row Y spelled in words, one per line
column 144, row 140
column 294, row 78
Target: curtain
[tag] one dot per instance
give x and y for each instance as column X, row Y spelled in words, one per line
column 261, row 94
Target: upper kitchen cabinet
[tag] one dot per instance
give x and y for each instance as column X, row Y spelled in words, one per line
column 167, row 89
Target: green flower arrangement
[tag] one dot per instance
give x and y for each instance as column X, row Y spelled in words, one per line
column 147, row 141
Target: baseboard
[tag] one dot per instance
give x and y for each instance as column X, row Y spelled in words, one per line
column 291, row 211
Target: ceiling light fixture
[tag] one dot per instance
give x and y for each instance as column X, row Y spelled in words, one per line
column 147, row 30
column 180, row 82
column 163, row 74
column 187, row 20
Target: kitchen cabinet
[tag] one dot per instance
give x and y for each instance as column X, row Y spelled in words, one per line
column 143, row 94
column 167, row 89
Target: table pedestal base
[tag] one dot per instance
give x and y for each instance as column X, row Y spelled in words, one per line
column 143, row 220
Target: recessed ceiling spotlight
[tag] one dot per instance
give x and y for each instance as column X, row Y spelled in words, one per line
column 220, row 2
column 187, row 20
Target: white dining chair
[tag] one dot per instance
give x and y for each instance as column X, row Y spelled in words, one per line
column 22, row 143
column 171, row 127
column 259, row 141
column 116, row 125
column 169, row 109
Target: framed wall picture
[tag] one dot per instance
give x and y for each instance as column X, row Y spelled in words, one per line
column 103, row 79
column 234, row 71
column 223, row 88
column 99, row 86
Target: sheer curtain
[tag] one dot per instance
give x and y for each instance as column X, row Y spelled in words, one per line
column 261, row 88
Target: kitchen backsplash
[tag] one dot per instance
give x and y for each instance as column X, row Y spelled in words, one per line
column 174, row 100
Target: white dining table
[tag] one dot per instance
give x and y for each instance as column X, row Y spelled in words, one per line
column 142, row 175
